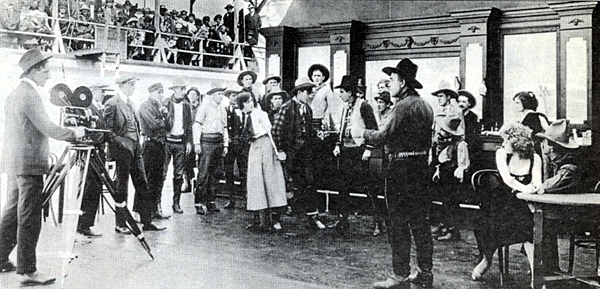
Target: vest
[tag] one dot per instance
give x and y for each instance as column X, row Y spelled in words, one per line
column 355, row 120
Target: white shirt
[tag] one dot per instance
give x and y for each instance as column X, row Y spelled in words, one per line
column 177, row 128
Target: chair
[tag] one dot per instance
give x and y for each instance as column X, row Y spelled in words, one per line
column 484, row 182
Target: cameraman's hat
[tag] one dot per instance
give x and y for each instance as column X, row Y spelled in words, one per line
column 31, row 58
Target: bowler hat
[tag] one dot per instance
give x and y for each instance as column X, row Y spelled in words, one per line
column 385, row 96
column 559, row 132
column 446, row 87
column 349, row 83
column 247, row 72
column 472, row 100
column 214, row 90
column 302, row 83
column 450, row 122
column 178, row 82
column 321, row 68
column 31, row 58
column 407, row 70
column 277, row 78
column 125, row 78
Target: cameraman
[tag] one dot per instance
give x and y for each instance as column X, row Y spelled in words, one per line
column 93, row 184
column 25, row 161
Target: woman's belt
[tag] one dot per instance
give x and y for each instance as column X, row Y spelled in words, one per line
column 404, row 155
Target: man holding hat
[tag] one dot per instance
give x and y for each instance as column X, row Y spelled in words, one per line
column 154, row 123
column 25, row 154
column 294, row 137
column 179, row 137
column 408, row 138
column 211, row 142
column 564, row 177
column 93, row 184
column 124, row 147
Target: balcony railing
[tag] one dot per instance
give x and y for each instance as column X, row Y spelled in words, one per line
column 132, row 43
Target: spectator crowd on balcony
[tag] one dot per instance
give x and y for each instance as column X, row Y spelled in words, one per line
column 175, row 36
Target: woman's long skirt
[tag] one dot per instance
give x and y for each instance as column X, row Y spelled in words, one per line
column 265, row 182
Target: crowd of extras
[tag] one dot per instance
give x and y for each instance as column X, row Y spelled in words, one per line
column 180, row 36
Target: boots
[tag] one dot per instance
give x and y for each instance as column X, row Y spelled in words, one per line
column 158, row 214
column 177, row 195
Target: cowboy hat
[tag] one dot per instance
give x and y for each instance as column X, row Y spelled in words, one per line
column 277, row 78
column 228, row 6
column 321, row 68
column 407, row 70
column 450, row 123
column 559, row 132
column 30, row 59
column 446, row 87
column 214, row 90
column 302, row 83
column 284, row 96
column 244, row 73
column 349, row 83
column 229, row 92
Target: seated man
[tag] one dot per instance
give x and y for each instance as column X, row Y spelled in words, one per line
column 564, row 177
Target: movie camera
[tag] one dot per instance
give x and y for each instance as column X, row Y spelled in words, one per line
column 73, row 105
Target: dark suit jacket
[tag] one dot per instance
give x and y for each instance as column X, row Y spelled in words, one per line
column 25, row 150
column 116, row 122
column 235, row 127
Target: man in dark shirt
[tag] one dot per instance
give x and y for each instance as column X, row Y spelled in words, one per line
column 294, row 137
column 407, row 137
column 153, row 121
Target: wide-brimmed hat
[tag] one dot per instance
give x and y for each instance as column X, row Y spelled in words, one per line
column 446, row 87
column 125, row 78
column 284, row 96
column 178, row 82
column 247, row 72
column 228, row 6
column 450, row 123
column 470, row 96
column 214, row 90
column 407, row 70
column 276, row 77
column 302, row 83
column 385, row 96
column 31, row 58
column 321, row 68
column 349, row 83
column 229, row 92
column 560, row 133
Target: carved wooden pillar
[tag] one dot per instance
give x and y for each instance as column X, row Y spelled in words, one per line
column 282, row 54
column 480, row 60
column 347, row 55
column 579, row 65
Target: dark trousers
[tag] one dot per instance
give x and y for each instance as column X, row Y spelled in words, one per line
column 237, row 152
column 354, row 176
column 131, row 163
column 408, row 206
column 450, row 191
column 299, row 170
column 91, row 196
column 22, row 221
column 154, row 154
column 208, row 168
column 176, row 151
